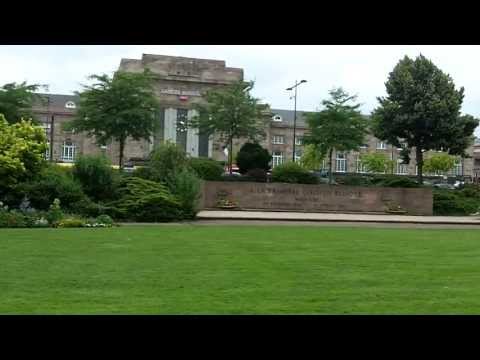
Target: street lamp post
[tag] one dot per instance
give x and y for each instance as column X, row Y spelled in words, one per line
column 295, row 113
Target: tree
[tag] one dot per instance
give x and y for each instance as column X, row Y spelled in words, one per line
column 232, row 113
column 22, row 151
column 378, row 163
column 16, row 101
column 253, row 156
column 422, row 110
column 339, row 126
column 311, row 159
column 439, row 163
column 118, row 107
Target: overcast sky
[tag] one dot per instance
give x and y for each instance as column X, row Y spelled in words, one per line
column 359, row 69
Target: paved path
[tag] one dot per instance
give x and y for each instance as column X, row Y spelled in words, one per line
column 335, row 217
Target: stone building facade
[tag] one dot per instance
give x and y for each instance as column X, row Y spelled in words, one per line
column 181, row 82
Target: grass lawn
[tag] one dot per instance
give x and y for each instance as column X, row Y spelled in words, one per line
column 239, row 270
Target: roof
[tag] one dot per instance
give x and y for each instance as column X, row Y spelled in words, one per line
column 57, row 102
column 60, row 99
column 287, row 117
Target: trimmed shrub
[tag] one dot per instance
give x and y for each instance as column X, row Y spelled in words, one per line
column 453, row 202
column 145, row 200
column 95, row 175
column 206, row 169
column 52, row 183
column 354, row 180
column 71, row 223
column 293, row 173
column 395, row 181
column 253, row 156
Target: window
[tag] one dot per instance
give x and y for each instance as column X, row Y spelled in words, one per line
column 361, row 168
column 277, row 158
column 341, row 162
column 47, row 152
column 402, row 169
column 324, row 165
column 277, row 118
column 298, row 140
column 46, row 127
column 70, row 105
column 278, row 139
column 381, row 145
column 298, row 155
column 457, row 170
column 68, row 151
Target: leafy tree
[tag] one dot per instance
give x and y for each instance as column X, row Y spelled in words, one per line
column 118, row 107
column 339, row 126
column 439, row 163
column 311, row 159
column 378, row 163
column 22, row 150
column 422, row 110
column 253, row 156
column 16, row 101
column 232, row 113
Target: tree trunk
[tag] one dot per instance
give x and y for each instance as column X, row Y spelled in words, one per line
column 230, row 156
column 419, row 160
column 120, row 157
column 330, row 168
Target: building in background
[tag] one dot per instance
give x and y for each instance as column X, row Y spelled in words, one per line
column 181, row 82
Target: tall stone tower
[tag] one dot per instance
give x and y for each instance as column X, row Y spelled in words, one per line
column 181, row 82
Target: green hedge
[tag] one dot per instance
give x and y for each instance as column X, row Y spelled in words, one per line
column 206, row 169
column 293, row 173
column 456, row 202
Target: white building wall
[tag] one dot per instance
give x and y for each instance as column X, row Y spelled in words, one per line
column 192, row 137
column 170, row 128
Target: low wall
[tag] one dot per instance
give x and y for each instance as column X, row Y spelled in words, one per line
column 316, row 198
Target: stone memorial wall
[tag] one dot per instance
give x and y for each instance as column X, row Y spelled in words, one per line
column 315, row 198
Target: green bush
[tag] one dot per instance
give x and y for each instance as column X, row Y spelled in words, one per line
column 52, row 183
column 104, row 219
column 12, row 219
column 206, row 169
column 145, row 200
column 55, row 213
column 257, row 175
column 165, row 163
column 394, row 181
column 354, row 180
column 293, row 173
column 253, row 156
column 454, row 202
column 71, row 222
column 187, row 191
column 95, row 175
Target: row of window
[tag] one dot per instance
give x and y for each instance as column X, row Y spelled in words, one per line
column 341, row 164
column 68, row 154
column 280, row 139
